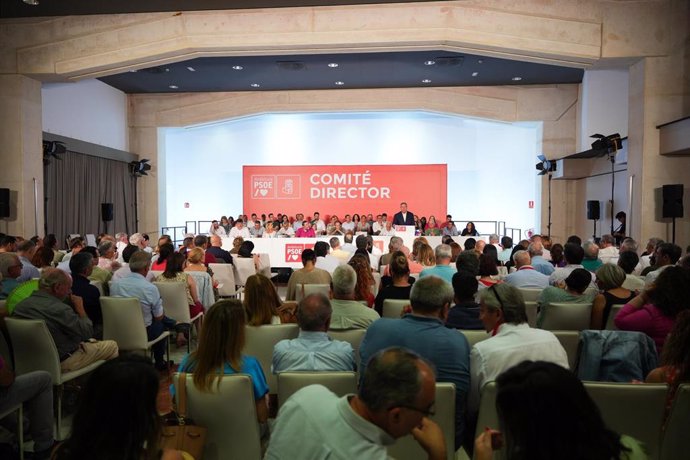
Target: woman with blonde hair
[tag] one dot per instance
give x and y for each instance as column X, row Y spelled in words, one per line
column 221, row 342
column 610, row 279
column 263, row 305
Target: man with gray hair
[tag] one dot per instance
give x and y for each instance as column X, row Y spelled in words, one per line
column 136, row 285
column 313, row 350
column 442, row 269
column 107, row 259
column 395, row 399
column 25, row 251
column 337, row 251
column 424, row 332
column 11, row 269
column 502, row 310
column 493, row 239
column 608, row 252
column 68, row 324
column 526, row 276
column 591, row 261
column 540, row 264
column 395, row 244
column 347, row 312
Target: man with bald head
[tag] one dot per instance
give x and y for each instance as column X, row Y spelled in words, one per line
column 526, row 276
column 217, row 251
column 396, row 398
column 313, row 350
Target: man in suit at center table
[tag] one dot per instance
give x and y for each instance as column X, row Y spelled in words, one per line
column 403, row 217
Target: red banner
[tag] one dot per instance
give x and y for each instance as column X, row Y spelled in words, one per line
column 340, row 190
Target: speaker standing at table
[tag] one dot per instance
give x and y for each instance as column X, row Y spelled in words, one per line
column 403, row 217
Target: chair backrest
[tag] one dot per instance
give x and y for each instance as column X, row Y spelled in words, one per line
column 406, row 448
column 612, row 315
column 244, row 268
column 340, row 383
column 531, row 310
column 265, row 267
column 377, row 282
column 392, row 308
column 566, row 316
column 354, row 337
column 175, row 302
column 123, row 322
column 307, row 289
column 474, row 336
column 204, row 288
column 260, row 341
column 229, row 414
column 34, row 347
column 632, row 409
column 154, row 273
column 674, row 445
column 225, row 275
column 488, row 417
column 570, row 341
column 530, row 294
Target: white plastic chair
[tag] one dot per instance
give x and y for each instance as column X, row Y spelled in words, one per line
column 260, row 341
column 406, row 448
column 531, row 311
column 392, row 308
column 225, row 276
column 570, row 341
column 565, row 316
column 34, row 349
column 340, row 383
column 244, row 268
column 99, row 286
column 674, row 444
column 176, row 306
column 529, row 294
column 229, row 414
column 123, row 322
column 303, row 290
column 377, row 283
column 20, row 425
column 610, row 325
column 474, row 336
column 633, row 409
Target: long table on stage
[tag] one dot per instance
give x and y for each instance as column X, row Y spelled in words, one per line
column 286, row 252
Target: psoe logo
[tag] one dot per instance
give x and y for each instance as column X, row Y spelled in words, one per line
column 263, row 186
column 293, row 252
column 288, row 186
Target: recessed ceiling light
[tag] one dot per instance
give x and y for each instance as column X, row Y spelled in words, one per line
column 480, row 61
column 255, row 85
column 173, row 86
column 516, row 78
column 31, row 2
column 237, row 67
column 340, row 83
column 426, row 80
column 333, row 65
column 429, row 62
column 474, row 74
column 167, row 70
column 191, row 69
column 133, row 71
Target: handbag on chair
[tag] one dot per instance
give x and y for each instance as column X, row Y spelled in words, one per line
column 180, row 432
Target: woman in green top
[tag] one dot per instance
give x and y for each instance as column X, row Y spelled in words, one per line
column 545, row 413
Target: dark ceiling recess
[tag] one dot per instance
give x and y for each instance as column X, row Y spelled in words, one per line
column 332, row 71
column 19, row 9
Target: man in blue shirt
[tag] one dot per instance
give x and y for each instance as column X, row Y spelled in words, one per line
column 443, row 270
column 313, row 350
column 526, row 276
column 424, row 332
column 540, row 264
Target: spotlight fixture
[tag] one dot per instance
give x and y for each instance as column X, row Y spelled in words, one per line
column 191, row 69
column 139, row 168
column 607, row 144
column 546, row 166
column 51, row 150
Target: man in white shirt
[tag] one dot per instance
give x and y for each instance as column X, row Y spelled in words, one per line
column 512, row 341
column 378, row 226
column 645, row 259
column 216, row 229
column 257, row 231
column 665, row 255
column 526, row 276
column 286, row 231
column 121, row 242
column 239, row 230
column 297, row 224
column 348, row 225
column 324, row 260
column 388, row 230
column 347, row 245
column 337, row 251
column 319, row 225
column 608, row 252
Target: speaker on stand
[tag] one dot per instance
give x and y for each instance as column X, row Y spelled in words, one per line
column 673, row 204
column 593, row 213
column 106, row 214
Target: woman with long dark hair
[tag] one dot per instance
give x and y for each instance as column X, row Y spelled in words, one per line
column 469, row 230
column 545, row 413
column 365, row 280
column 164, row 252
column 117, row 418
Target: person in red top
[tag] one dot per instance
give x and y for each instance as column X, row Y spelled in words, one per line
column 305, row 231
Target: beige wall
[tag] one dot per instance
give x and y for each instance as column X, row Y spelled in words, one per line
column 583, row 33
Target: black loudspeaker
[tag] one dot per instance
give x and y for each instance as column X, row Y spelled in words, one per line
column 4, row 202
column 106, row 212
column 673, row 200
column 593, row 210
